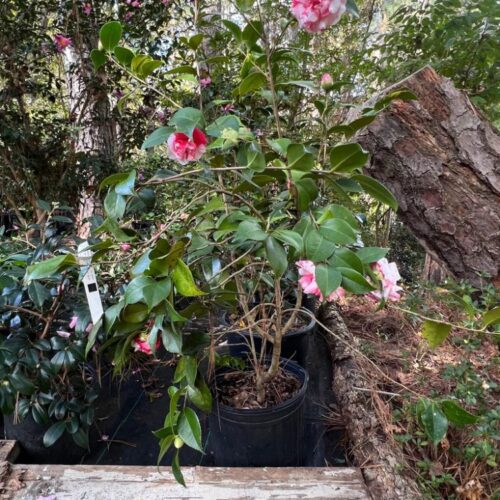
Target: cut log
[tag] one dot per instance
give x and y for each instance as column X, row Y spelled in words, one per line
column 381, row 460
column 441, row 159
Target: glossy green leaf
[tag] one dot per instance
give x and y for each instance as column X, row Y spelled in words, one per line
column 376, row 190
column 200, row 395
column 368, row 255
column 110, row 35
column 251, row 83
column 299, row 158
column 49, row 267
column 491, row 317
column 126, row 186
column 234, row 29
column 348, row 157
column 135, row 313
column 307, row 192
column 290, row 237
column 251, row 33
column 255, row 158
column 434, row 422
column 183, row 280
column 38, row 293
column 187, row 119
column 158, row 137
column 402, row 94
column 355, row 282
column 189, row 428
column 457, row 415
column 344, row 257
column 53, row 433
column 176, row 469
column 338, row 231
column 317, row 247
column 115, row 204
column 276, row 256
column 435, row 332
column 250, row 230
column 328, row 279
column 124, row 55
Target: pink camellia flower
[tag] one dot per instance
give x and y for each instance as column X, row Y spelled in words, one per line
column 125, row 247
column 389, row 276
column 63, row 334
column 326, row 82
column 165, row 2
column 228, row 108
column 183, row 149
column 205, row 82
column 73, row 322
column 317, row 15
column 62, row 42
column 307, row 271
column 141, row 344
column 87, row 9
column 127, row 16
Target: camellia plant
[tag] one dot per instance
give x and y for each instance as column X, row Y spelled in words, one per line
column 268, row 216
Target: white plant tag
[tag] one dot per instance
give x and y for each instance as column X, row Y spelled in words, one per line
column 90, row 283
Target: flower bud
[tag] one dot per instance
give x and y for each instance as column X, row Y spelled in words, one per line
column 178, row 442
column 326, row 82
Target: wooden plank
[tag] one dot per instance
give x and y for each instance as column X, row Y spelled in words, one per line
column 89, row 482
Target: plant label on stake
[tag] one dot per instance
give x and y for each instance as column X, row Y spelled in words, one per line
column 90, row 282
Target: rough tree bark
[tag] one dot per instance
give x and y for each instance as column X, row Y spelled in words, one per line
column 90, row 108
column 441, row 159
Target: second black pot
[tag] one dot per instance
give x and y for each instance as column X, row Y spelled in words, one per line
column 263, row 437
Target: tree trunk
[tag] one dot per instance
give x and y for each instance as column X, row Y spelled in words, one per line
column 441, row 159
column 381, row 460
column 433, row 271
column 95, row 138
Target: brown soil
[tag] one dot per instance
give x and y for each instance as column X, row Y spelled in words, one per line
column 238, row 389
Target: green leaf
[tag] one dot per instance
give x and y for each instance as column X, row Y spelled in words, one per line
column 344, row 257
column 317, row 247
column 135, row 313
column 53, row 433
column 277, row 256
column 355, row 282
column 189, row 428
column 368, row 255
column 110, row 35
column 435, row 332
column 126, row 186
column 137, row 62
column 252, row 32
column 348, row 157
column 148, row 290
column 187, row 119
column 200, row 395
column 457, row 415
column 111, row 315
column 216, row 128
column 124, row 55
column 307, row 192
column 252, row 82
column 93, row 336
column 176, row 470
column 299, row 158
column 187, row 368
column 38, row 293
column 280, row 146
column 328, row 279
column 172, row 339
column 158, row 137
column 113, row 180
column 148, row 67
column 245, row 5
column 290, row 237
column 250, row 230
column 183, row 280
column 81, row 438
column 195, row 40
column 49, row 267
column 115, row 204
column 352, row 8
column 491, row 317
column 183, row 69
column 98, row 58
column 338, row 231
column 21, row 383
column 255, row 158
column 376, row 190
column 305, row 84
column 234, row 29
column 434, row 422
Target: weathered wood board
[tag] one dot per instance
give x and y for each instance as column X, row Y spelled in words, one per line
column 93, row 482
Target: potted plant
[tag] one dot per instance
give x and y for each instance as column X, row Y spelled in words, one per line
column 49, row 391
column 266, row 207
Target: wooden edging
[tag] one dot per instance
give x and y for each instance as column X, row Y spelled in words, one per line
column 72, row 482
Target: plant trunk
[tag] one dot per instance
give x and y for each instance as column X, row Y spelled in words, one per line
column 95, row 138
column 441, row 159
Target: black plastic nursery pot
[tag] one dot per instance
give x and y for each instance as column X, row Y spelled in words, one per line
column 294, row 345
column 263, row 437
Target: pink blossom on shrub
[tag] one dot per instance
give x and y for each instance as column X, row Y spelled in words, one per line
column 62, row 42
column 228, row 108
column 205, row 82
column 125, row 247
column 389, row 276
column 307, row 271
column 141, row 344
column 127, row 16
column 165, row 2
column 87, row 9
column 326, row 82
column 64, row 334
column 317, row 15
column 73, row 322
column 183, row 149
